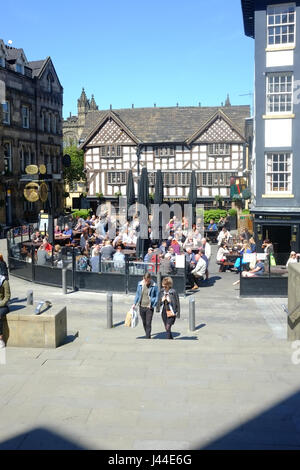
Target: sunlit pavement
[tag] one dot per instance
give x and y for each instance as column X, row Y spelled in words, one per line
column 231, row 384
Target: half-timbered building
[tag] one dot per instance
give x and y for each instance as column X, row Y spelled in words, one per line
column 209, row 140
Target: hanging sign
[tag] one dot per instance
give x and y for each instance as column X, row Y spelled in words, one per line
column 32, row 169
column 31, row 192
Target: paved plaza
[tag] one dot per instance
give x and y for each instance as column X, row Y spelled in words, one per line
column 231, row 384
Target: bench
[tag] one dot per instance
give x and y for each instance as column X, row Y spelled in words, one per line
column 22, row 328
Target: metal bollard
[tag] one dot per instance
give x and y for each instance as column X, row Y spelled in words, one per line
column 64, row 280
column 30, row 297
column 192, row 324
column 109, row 310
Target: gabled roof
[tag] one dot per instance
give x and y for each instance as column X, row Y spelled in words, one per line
column 166, row 125
column 218, row 115
column 109, row 115
column 12, row 54
column 36, row 66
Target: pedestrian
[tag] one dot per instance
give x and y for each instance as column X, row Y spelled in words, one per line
column 169, row 305
column 146, row 298
column 4, row 299
column 3, row 267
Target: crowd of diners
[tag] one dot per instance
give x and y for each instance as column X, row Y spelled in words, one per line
column 93, row 239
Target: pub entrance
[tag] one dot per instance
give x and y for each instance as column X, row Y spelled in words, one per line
column 280, row 236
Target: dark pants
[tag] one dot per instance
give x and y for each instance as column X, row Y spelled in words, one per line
column 147, row 315
column 3, row 312
column 168, row 322
column 193, row 279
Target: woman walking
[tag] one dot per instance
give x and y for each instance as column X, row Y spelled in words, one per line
column 169, row 305
column 146, row 298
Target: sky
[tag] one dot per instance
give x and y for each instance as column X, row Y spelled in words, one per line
column 136, row 51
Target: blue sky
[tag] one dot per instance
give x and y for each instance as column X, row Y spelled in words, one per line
column 138, row 52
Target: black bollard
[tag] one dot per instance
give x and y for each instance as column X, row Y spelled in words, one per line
column 109, row 310
column 30, row 297
column 192, row 324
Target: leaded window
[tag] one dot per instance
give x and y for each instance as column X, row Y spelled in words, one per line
column 111, row 151
column 218, row 149
column 281, row 25
column 116, row 177
column 164, row 151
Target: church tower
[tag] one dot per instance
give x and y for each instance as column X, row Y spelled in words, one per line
column 83, row 105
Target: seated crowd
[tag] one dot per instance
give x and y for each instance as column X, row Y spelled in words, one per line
column 95, row 240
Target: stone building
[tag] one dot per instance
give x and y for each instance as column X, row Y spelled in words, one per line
column 74, row 126
column 30, row 133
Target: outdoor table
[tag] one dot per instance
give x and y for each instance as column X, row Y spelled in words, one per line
column 62, row 239
column 32, row 244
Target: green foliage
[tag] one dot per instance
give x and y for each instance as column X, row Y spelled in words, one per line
column 232, row 212
column 118, row 194
column 75, row 171
column 84, row 213
column 100, row 195
column 245, row 212
column 246, row 194
column 214, row 214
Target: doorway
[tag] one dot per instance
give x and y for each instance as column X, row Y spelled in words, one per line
column 280, row 236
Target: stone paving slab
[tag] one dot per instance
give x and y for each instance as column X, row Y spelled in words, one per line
column 229, row 384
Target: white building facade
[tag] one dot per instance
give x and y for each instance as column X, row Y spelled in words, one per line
column 176, row 141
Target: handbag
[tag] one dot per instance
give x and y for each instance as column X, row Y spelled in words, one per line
column 134, row 318
column 272, row 260
column 128, row 318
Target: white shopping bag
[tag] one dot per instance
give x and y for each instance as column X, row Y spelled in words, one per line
column 134, row 318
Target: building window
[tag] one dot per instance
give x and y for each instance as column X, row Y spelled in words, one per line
column 49, row 123
column 116, row 177
column 7, row 157
column 54, row 124
column 163, row 152
column 43, row 122
column 25, row 117
column 6, row 112
column 49, row 84
column 281, row 25
column 279, row 93
column 20, row 68
column 278, row 173
column 218, row 149
column 111, row 151
column 2, row 62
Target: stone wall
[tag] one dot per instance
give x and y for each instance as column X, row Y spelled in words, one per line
column 294, row 302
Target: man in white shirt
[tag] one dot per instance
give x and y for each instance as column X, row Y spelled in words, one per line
column 224, row 235
column 199, row 272
column 207, row 248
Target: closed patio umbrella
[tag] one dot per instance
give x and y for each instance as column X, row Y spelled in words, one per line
column 143, row 199
column 193, row 195
column 159, row 198
column 130, row 193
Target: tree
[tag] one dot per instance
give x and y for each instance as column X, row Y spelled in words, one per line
column 75, row 172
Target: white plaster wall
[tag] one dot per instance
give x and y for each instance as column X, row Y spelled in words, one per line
column 280, row 58
column 278, row 133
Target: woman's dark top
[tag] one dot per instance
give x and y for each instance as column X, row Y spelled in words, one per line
column 3, row 269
